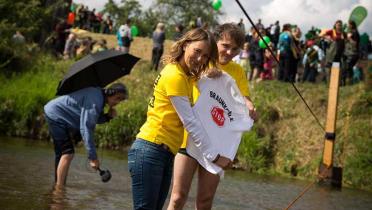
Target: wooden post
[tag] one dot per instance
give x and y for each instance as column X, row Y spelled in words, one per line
column 326, row 168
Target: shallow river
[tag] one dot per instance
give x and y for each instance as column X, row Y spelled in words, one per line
column 26, row 180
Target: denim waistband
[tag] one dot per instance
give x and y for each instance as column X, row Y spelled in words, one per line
column 163, row 147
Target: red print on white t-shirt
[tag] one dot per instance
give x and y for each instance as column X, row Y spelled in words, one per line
column 217, row 116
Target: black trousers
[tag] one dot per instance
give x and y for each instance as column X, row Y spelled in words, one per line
column 157, row 52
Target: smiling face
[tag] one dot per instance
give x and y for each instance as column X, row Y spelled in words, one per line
column 227, row 49
column 195, row 55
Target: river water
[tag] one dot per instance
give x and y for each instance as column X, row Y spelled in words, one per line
column 26, row 182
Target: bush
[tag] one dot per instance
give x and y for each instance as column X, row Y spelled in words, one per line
column 254, row 152
column 24, row 95
column 122, row 130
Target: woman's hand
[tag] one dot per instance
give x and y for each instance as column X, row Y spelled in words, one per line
column 252, row 110
column 223, row 162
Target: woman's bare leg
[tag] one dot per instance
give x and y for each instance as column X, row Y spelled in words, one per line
column 207, row 186
column 183, row 172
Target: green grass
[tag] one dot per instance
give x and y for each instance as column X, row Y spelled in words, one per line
column 24, row 94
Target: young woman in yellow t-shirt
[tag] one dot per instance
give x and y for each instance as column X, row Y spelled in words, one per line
column 229, row 39
column 150, row 159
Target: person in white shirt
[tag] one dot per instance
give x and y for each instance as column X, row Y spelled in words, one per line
column 230, row 39
column 126, row 35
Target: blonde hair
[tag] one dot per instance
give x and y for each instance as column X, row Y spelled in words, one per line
column 160, row 26
column 198, row 34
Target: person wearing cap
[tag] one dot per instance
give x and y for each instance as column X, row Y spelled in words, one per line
column 79, row 112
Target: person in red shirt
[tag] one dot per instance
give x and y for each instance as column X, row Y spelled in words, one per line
column 337, row 37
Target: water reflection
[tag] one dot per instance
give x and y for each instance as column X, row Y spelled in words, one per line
column 58, row 198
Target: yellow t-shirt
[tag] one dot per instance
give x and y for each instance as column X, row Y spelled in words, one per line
column 237, row 73
column 163, row 126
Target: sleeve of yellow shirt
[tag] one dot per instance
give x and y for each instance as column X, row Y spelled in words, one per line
column 175, row 84
column 242, row 82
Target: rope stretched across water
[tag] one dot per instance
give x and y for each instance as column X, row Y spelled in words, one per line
column 297, row 91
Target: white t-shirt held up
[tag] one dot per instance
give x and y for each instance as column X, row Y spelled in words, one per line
column 222, row 111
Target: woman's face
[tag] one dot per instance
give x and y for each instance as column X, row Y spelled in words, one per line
column 227, row 50
column 339, row 26
column 196, row 54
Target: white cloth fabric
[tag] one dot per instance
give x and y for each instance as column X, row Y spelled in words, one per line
column 125, row 31
column 224, row 115
column 193, row 126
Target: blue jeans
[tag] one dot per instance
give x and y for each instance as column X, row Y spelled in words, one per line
column 150, row 167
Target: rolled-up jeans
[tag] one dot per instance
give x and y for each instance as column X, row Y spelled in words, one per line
column 150, row 166
column 63, row 144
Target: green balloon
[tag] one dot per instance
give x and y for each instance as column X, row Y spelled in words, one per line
column 358, row 15
column 262, row 44
column 217, row 4
column 134, row 30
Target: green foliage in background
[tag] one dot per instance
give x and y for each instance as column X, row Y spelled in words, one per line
column 358, row 161
column 34, row 19
column 184, row 12
column 170, row 12
column 23, row 95
column 254, row 152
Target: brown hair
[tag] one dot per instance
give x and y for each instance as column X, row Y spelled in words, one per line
column 337, row 21
column 198, row 34
column 231, row 30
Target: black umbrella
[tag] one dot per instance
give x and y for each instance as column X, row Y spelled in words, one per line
column 96, row 70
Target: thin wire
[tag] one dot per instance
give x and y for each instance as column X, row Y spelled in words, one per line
column 301, row 194
column 277, row 61
column 321, row 176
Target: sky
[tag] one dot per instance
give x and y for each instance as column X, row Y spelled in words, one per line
column 304, row 13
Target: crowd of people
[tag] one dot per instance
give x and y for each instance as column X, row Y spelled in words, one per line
column 300, row 60
column 90, row 20
column 306, row 60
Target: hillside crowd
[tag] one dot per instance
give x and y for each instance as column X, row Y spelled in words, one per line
column 300, row 60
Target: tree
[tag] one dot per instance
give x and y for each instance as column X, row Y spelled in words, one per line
column 120, row 13
column 176, row 11
column 33, row 19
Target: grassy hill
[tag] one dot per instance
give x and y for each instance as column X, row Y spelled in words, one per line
column 285, row 140
column 140, row 47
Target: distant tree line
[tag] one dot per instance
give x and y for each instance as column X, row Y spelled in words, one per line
column 170, row 12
